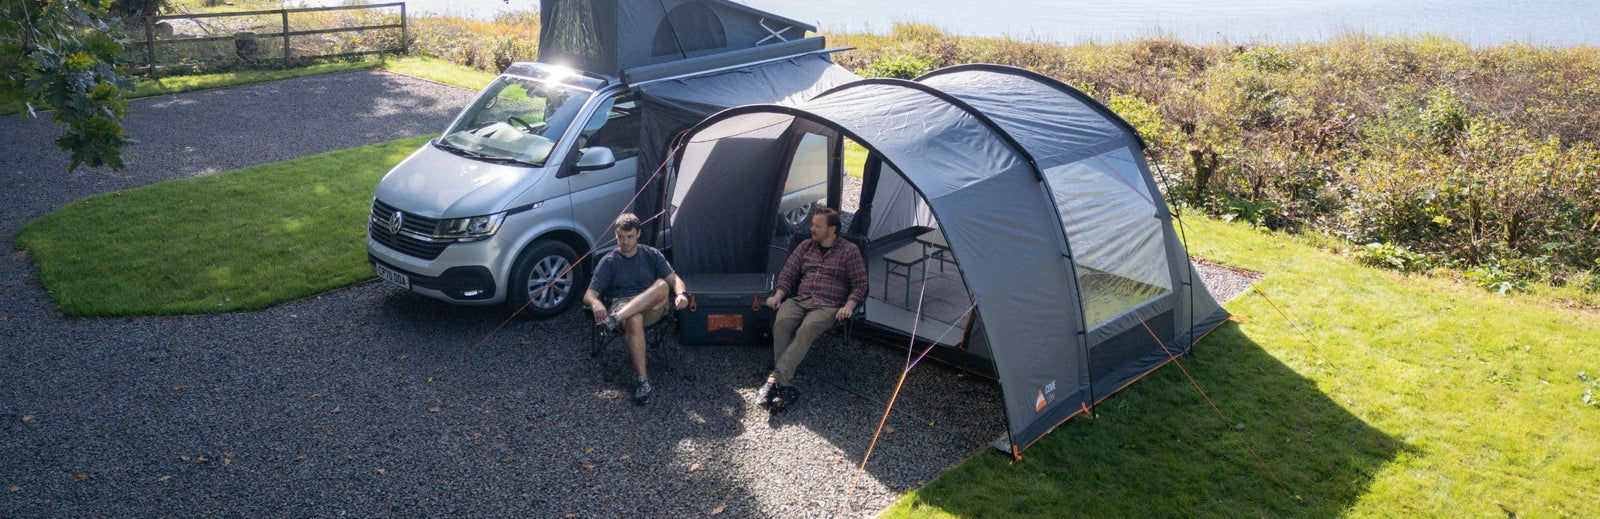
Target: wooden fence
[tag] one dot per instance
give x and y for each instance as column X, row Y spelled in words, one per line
column 151, row 42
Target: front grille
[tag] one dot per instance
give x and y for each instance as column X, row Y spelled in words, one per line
column 378, row 229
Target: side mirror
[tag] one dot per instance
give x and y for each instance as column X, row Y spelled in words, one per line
column 596, row 157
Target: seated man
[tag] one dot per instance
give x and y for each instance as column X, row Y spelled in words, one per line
column 828, row 279
column 636, row 279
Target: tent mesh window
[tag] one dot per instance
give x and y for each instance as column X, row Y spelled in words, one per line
column 693, row 26
column 1114, row 227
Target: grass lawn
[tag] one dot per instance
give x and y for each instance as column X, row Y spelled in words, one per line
column 855, row 158
column 239, row 240
column 436, row 69
column 1404, row 396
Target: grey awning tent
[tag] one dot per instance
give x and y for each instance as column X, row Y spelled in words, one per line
column 687, row 59
column 1053, row 254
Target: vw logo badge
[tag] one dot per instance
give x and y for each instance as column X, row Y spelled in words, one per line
column 395, row 222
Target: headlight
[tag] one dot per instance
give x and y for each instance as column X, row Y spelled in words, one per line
column 470, row 229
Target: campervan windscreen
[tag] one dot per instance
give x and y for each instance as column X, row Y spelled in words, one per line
column 515, row 120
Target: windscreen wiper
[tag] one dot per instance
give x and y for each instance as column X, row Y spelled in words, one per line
column 487, row 158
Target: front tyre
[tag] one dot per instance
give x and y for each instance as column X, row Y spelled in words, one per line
column 544, row 280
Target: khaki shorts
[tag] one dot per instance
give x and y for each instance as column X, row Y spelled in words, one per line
column 651, row 316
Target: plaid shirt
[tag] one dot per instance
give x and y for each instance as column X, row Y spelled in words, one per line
column 827, row 279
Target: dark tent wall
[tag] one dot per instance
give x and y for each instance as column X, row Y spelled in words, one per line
column 674, row 105
column 610, row 36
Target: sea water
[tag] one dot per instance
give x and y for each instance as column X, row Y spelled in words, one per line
column 1478, row 22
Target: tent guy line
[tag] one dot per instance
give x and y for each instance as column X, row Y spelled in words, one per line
column 1226, row 423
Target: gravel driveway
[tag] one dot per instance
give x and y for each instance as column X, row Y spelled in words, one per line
column 367, row 401
column 323, row 406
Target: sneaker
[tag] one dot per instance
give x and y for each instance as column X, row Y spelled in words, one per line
column 783, row 397
column 609, row 324
column 764, row 395
column 641, row 391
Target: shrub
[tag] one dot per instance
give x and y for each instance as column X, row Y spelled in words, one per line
column 1496, row 279
column 903, row 66
column 1391, row 256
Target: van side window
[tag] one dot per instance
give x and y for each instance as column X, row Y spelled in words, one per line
column 616, row 128
column 805, row 189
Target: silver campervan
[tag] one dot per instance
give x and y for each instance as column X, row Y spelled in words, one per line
column 508, row 203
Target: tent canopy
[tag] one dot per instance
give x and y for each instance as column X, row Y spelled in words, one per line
column 1067, row 278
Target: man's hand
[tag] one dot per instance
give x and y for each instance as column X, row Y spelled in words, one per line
column 680, row 302
column 775, row 300
column 599, row 312
column 844, row 312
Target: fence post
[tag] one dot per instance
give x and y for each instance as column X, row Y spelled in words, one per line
column 405, row 43
column 150, row 45
column 285, row 14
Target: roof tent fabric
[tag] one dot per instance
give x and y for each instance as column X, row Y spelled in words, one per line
column 610, row 36
column 1000, row 157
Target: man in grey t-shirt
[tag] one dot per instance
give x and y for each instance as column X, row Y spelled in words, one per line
column 637, row 280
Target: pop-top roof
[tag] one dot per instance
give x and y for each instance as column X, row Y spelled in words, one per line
column 611, row 36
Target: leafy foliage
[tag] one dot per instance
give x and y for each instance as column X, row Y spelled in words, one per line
column 902, row 66
column 59, row 54
column 1497, row 279
column 1389, row 255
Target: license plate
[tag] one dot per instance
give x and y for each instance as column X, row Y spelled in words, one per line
column 390, row 275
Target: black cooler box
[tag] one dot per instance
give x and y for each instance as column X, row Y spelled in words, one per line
column 726, row 309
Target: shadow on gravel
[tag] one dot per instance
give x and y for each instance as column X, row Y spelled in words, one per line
column 1157, row 449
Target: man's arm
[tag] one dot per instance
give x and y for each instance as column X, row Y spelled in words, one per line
column 598, row 284
column 789, row 276
column 664, row 272
column 680, row 300
column 856, row 268
column 595, row 306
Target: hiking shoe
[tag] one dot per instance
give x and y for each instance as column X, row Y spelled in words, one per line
column 641, row 391
column 783, row 397
column 764, row 395
column 609, row 324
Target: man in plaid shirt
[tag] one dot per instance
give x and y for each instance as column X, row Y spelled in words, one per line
column 828, row 279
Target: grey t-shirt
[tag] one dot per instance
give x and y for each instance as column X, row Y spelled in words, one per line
column 618, row 276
